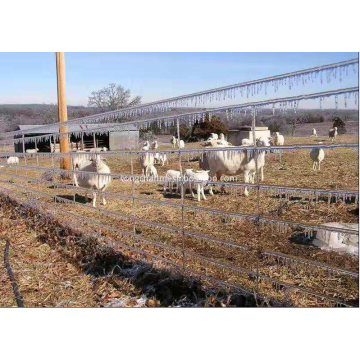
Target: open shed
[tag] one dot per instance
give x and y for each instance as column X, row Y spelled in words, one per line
column 82, row 137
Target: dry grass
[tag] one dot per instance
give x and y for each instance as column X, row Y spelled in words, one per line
column 339, row 171
column 45, row 277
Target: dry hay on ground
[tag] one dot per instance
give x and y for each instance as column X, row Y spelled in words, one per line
column 339, row 171
column 57, row 266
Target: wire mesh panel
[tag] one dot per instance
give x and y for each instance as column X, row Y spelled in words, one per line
column 251, row 232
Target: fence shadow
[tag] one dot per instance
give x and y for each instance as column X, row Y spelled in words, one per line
column 171, row 288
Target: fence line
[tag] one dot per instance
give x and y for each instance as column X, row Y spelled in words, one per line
column 280, row 189
column 185, row 232
column 197, row 208
column 198, row 115
column 163, row 105
column 290, row 80
column 113, row 243
column 191, row 254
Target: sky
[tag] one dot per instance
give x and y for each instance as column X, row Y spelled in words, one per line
column 31, row 77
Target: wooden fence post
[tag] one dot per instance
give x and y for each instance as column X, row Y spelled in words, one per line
column 62, row 109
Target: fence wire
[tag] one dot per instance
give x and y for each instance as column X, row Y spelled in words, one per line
column 17, row 137
column 285, row 285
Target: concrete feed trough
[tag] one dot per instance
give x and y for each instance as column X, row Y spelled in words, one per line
column 245, row 132
column 340, row 242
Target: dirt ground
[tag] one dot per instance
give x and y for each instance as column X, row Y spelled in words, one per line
column 339, row 171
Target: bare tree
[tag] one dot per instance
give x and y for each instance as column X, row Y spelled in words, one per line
column 113, row 97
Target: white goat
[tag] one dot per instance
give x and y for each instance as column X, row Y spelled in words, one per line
column 213, row 136
column 171, row 177
column 222, row 140
column 246, row 142
column 81, row 159
column 317, row 155
column 333, row 134
column 223, row 162
column 181, row 144
column 279, row 139
column 160, row 159
column 12, row 160
column 95, row 182
column 32, row 151
column 314, row 133
column 146, row 161
column 200, row 177
column 98, row 149
column 146, row 143
column 154, row 145
column 152, row 171
column 173, row 141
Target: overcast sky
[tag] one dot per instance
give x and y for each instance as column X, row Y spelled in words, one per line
column 31, row 77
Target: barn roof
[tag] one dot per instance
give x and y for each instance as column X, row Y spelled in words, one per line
column 32, row 129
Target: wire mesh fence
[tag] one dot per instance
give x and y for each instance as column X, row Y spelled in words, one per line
column 236, row 241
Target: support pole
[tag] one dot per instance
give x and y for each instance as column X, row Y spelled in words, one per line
column 62, row 109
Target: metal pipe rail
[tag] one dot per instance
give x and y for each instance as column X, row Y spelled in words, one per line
column 218, row 212
column 258, row 218
column 139, row 109
column 185, row 232
column 214, row 262
column 113, row 243
column 129, row 177
column 249, row 105
column 185, row 151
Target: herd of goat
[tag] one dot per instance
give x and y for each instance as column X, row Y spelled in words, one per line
column 213, row 164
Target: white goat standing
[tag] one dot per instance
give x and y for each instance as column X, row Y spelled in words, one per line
column 279, row 139
column 317, row 155
column 96, row 182
column 151, row 170
column 146, row 161
column 154, row 145
column 223, row 162
column 82, row 158
column 200, row 177
column 162, row 159
column 333, row 134
column 314, row 133
column 173, row 141
column 171, row 177
column 181, row 144
column 12, row 160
